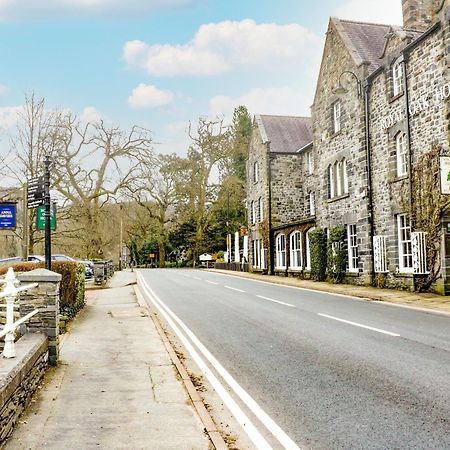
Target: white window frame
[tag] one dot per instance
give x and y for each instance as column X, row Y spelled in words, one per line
column 339, row 178
column 405, row 253
column 255, row 172
column 310, row 162
column 401, row 150
column 253, row 212
column 261, row 209
column 280, row 259
column 352, row 247
column 345, row 175
column 312, row 204
column 256, row 254
column 331, row 180
column 308, row 250
column 397, row 78
column 337, row 110
column 295, row 250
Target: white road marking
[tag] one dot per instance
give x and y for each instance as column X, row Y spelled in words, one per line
column 275, row 301
column 240, row 416
column 360, row 325
column 262, row 416
column 234, row 289
column 211, row 282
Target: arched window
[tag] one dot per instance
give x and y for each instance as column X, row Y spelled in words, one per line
column 312, row 203
column 339, row 178
column 280, row 245
column 344, row 175
column 331, row 181
column 252, row 213
column 261, row 209
column 402, row 154
column 255, row 172
column 296, row 250
column 308, row 250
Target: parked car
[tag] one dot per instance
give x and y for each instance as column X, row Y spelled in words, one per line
column 89, row 268
column 36, row 258
column 59, row 257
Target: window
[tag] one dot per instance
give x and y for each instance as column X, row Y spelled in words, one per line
column 252, row 213
column 280, row 245
column 258, row 254
column 296, row 250
column 352, row 248
column 336, row 117
column 337, row 179
column 404, row 243
column 309, row 163
column 397, row 79
column 380, row 254
column 261, row 209
column 331, row 178
column 308, row 250
column 255, row 172
column 402, row 154
column 312, row 203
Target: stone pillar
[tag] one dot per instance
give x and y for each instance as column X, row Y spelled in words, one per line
column 45, row 297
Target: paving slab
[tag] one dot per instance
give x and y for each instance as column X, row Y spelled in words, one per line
column 116, row 386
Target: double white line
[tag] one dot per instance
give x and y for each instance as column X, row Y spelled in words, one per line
column 186, row 338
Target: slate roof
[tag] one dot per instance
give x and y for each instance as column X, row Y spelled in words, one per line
column 369, row 39
column 286, row 134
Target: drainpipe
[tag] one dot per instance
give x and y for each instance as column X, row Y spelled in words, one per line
column 408, row 136
column 271, row 268
column 367, row 86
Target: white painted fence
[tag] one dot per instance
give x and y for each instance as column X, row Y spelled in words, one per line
column 9, row 293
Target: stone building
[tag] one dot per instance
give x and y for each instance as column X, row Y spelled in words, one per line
column 279, row 175
column 380, row 138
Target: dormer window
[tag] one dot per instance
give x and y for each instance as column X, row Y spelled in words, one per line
column 336, row 116
column 397, row 78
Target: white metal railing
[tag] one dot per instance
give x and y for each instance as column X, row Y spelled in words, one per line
column 380, row 254
column 419, row 252
column 9, row 293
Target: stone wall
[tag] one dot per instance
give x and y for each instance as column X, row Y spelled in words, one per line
column 19, row 379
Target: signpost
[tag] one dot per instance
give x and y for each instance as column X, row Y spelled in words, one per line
column 8, row 216
column 40, row 217
column 36, row 192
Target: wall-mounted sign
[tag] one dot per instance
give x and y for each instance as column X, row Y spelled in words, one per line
column 40, row 217
column 445, row 174
column 8, row 213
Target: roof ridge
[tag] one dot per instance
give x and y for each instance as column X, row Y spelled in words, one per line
column 282, row 115
column 360, row 22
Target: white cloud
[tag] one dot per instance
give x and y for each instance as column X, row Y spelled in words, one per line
column 149, row 96
column 91, row 115
column 9, row 116
column 375, row 11
column 44, row 9
column 218, row 47
column 274, row 100
column 3, row 89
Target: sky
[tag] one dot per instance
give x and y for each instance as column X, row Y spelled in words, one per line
column 162, row 64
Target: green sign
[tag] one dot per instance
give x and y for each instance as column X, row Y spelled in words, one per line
column 40, row 217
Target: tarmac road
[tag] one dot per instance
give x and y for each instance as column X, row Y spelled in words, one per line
column 330, row 371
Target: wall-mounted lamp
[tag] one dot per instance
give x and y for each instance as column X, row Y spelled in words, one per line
column 340, row 89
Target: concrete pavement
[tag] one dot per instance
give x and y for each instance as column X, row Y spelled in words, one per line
column 419, row 300
column 116, row 386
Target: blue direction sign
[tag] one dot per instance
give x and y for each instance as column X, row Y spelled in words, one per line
column 8, row 216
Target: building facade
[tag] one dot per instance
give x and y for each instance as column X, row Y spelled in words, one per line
column 379, row 146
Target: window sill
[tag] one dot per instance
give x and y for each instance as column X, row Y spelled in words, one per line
column 352, row 274
column 336, row 134
column 335, row 199
column 403, row 274
column 295, row 269
column 396, row 97
column 399, row 178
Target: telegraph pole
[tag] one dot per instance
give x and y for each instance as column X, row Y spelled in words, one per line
column 47, row 203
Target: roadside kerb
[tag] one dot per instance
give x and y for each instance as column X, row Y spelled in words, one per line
column 425, row 302
column 197, row 401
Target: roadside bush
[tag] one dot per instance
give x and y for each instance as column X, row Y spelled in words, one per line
column 318, row 248
column 71, row 289
column 337, row 254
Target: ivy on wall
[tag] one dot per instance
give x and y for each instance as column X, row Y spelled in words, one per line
column 336, row 254
column 318, row 251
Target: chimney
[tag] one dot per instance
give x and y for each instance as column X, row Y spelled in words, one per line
column 418, row 14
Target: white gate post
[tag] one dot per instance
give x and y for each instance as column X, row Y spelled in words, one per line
column 237, row 256
column 9, row 350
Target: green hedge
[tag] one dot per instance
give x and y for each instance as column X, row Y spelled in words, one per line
column 337, row 254
column 318, row 249
column 71, row 289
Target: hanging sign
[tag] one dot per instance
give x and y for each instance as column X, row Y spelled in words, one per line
column 8, row 213
column 445, row 174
